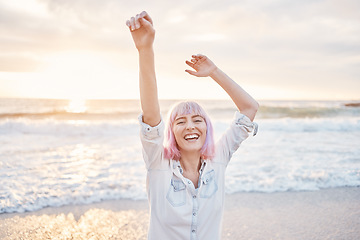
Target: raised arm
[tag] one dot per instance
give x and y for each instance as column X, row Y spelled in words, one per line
column 205, row 67
column 143, row 34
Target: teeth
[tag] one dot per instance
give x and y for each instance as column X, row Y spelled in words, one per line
column 191, row 136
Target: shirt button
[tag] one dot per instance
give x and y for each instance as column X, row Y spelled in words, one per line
column 193, row 230
column 194, row 214
column 189, row 182
column 194, row 196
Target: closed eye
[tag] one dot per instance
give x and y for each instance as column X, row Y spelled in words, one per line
column 198, row 119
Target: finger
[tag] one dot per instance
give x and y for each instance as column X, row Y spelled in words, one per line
column 137, row 23
column 197, row 56
column 128, row 23
column 145, row 15
column 201, row 60
column 132, row 23
column 193, row 60
column 192, row 72
column 190, row 64
column 144, row 22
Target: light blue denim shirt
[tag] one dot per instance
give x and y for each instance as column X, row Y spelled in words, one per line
column 179, row 210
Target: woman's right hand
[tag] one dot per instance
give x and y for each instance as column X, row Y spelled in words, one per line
column 142, row 31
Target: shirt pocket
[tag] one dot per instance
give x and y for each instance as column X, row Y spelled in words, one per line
column 177, row 193
column 209, row 185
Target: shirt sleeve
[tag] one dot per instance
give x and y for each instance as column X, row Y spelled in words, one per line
column 238, row 131
column 152, row 143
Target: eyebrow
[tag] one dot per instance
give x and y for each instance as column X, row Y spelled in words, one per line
column 195, row 116
column 176, row 119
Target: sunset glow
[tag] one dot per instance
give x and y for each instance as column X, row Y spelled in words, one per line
column 76, row 106
column 275, row 50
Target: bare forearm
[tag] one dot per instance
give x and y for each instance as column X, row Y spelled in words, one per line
column 148, row 87
column 243, row 101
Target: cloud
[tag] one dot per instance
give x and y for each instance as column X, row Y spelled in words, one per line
column 279, row 43
column 64, row 27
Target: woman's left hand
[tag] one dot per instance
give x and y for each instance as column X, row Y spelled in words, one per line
column 203, row 65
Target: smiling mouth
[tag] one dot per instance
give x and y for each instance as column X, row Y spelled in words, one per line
column 193, row 136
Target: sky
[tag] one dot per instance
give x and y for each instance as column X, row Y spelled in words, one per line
column 274, row 49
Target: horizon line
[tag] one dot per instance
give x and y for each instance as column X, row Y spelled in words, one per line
column 177, row 99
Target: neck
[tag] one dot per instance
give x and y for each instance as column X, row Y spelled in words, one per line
column 190, row 162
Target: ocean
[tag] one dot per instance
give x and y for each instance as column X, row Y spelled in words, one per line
column 60, row 152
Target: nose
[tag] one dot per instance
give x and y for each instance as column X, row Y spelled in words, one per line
column 190, row 126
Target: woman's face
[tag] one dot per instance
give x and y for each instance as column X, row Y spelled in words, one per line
column 190, row 132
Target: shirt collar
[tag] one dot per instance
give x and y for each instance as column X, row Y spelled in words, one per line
column 176, row 164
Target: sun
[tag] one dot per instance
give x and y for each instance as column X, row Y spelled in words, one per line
column 76, row 105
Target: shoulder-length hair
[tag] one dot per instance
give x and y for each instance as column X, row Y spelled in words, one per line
column 171, row 150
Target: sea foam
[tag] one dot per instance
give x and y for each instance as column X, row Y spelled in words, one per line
column 53, row 160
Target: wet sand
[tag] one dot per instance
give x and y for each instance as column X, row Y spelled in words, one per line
column 324, row 214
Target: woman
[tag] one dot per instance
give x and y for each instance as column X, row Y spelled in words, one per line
column 185, row 178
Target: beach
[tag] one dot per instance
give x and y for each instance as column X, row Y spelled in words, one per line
column 324, row 214
column 72, row 169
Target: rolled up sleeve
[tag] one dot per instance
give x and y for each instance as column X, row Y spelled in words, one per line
column 238, row 131
column 152, row 142
column 243, row 121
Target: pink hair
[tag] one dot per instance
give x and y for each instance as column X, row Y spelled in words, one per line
column 171, row 150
